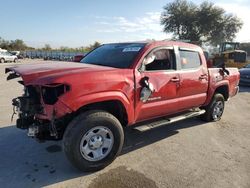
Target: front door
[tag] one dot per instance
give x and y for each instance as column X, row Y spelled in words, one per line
column 164, row 78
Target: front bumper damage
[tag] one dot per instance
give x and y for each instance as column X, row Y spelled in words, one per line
column 45, row 122
column 41, row 111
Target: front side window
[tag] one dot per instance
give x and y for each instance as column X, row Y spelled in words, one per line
column 164, row 59
column 189, row 59
column 114, row 55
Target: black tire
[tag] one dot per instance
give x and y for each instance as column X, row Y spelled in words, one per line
column 15, row 60
column 2, row 60
column 79, row 127
column 218, row 101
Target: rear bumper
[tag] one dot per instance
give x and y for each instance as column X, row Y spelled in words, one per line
column 237, row 89
column 234, row 92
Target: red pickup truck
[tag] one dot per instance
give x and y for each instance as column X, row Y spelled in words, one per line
column 145, row 84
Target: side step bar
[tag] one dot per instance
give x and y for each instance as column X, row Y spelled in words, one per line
column 166, row 121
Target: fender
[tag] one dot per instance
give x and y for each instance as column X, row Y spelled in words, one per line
column 212, row 89
column 105, row 96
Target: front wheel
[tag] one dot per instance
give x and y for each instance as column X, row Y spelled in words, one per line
column 215, row 108
column 15, row 60
column 2, row 60
column 93, row 140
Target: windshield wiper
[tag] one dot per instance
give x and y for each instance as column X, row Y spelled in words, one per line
column 92, row 63
column 100, row 64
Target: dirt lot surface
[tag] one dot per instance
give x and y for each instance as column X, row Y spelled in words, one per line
column 190, row 153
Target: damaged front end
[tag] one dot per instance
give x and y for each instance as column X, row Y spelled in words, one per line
column 40, row 109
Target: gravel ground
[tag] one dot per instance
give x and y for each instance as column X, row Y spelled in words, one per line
column 190, row 153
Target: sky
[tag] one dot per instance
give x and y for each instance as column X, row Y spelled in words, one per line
column 81, row 22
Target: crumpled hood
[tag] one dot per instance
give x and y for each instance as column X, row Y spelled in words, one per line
column 31, row 73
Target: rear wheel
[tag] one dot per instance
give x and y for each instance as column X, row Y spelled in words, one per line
column 15, row 60
column 93, row 140
column 215, row 109
column 2, row 60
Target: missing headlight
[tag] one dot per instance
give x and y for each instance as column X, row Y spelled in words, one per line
column 50, row 93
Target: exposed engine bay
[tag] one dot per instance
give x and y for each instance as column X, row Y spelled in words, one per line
column 37, row 112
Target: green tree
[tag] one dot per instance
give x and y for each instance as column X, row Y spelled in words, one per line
column 47, row 47
column 96, row 44
column 4, row 44
column 199, row 23
column 17, row 44
column 93, row 46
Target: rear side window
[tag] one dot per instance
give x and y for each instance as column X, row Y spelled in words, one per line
column 189, row 59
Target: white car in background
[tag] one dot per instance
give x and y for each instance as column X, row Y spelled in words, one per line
column 5, row 56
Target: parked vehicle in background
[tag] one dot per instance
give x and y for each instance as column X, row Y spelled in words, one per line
column 51, row 55
column 67, row 56
column 47, row 56
column 39, row 55
column 27, row 54
column 78, row 57
column 55, row 55
column 33, row 54
column 230, row 55
column 15, row 52
column 6, row 56
column 20, row 55
column 87, row 104
column 245, row 75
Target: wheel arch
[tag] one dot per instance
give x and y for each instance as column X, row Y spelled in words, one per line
column 224, row 90
column 114, row 102
column 114, row 107
column 2, row 58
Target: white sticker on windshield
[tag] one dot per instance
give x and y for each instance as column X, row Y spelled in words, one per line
column 131, row 49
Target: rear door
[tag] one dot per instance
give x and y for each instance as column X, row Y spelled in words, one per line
column 163, row 76
column 193, row 88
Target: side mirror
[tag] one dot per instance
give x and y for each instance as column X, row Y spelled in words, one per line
column 149, row 59
column 147, row 89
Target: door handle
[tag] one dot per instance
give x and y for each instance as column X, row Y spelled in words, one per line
column 175, row 79
column 203, row 77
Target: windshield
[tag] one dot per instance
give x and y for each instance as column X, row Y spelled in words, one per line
column 114, row 55
column 8, row 53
